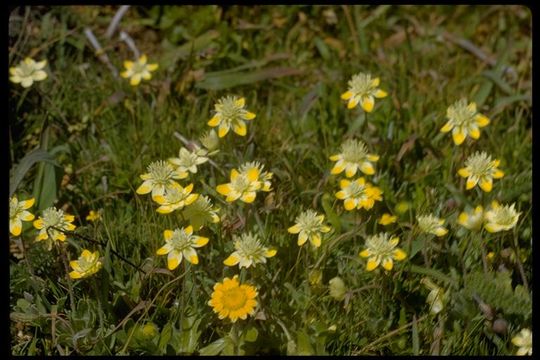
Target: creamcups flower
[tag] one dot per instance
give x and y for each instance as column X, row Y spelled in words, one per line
column 137, row 70
column 158, row 178
column 523, row 340
column 381, row 248
column 87, row 264
column 500, row 218
column 387, row 219
column 233, row 300
column 175, row 197
column 53, row 217
column 187, row 161
column 358, row 194
column 363, row 89
column 464, row 120
column 245, row 183
column 309, row 226
column 27, row 72
column 18, row 213
column 431, row 224
column 264, row 176
column 181, row 243
column 249, row 251
column 230, row 112
column 480, row 169
column 472, row 220
column 201, row 212
column 354, row 155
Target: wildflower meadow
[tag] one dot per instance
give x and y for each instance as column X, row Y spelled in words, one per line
column 270, row 180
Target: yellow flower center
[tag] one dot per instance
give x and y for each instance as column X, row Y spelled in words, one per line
column 234, row 299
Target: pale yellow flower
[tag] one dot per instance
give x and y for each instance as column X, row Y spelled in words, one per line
column 354, row 155
column 480, row 169
column 337, row 288
column 53, row 218
column 175, row 197
column 381, row 249
column 309, row 226
column 472, row 220
column 246, row 182
column 201, row 212
column 464, row 120
column 27, row 72
column 500, row 218
column 87, row 264
column 159, row 177
column 523, row 340
column 387, row 219
column 358, row 194
column 432, row 224
column 18, row 213
column 363, row 89
column 230, row 112
column 181, row 243
column 187, row 161
column 248, row 251
column 137, row 70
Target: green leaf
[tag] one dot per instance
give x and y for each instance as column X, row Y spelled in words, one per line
column 215, row 348
column 333, row 218
column 221, row 81
column 251, row 335
column 164, row 338
column 415, row 338
column 304, row 343
column 37, row 155
column 431, row 272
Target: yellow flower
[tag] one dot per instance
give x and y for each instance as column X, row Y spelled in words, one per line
column 233, row 300
column 187, row 161
column 249, row 251
column 480, row 169
column 523, row 340
column 472, row 220
column 354, row 155
column 87, row 264
column 309, row 226
column 246, row 182
column 27, row 72
column 380, row 249
column 464, row 120
column 159, row 177
column 387, row 219
column 175, row 197
column 93, row 215
column 53, row 217
column 358, row 194
column 200, row 213
column 137, row 70
column 500, row 218
column 337, row 288
column 210, row 141
column 363, row 89
column 431, row 224
column 181, row 243
column 230, row 112
column 18, row 213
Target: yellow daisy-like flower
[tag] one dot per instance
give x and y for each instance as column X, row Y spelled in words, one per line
column 246, row 182
column 480, row 169
column 18, row 213
column 53, row 217
column 93, row 216
column 230, row 112
column 472, row 220
column 387, row 219
column 233, row 300
column 87, row 264
column 523, row 340
column 358, row 194
column 431, row 224
column 187, row 161
column 200, row 213
column 499, row 218
column 380, row 249
column 309, row 226
column 354, row 155
column 27, row 72
column 363, row 89
column 137, row 70
column 181, row 243
column 159, row 177
column 175, row 197
column 249, row 251
column 464, row 120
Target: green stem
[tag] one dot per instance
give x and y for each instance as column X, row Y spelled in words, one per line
column 63, row 255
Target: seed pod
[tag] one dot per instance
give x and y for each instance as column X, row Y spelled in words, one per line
column 500, row 326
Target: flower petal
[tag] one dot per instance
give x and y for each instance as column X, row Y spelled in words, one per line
column 367, row 103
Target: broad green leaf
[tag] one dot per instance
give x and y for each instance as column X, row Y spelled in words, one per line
column 37, row 155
